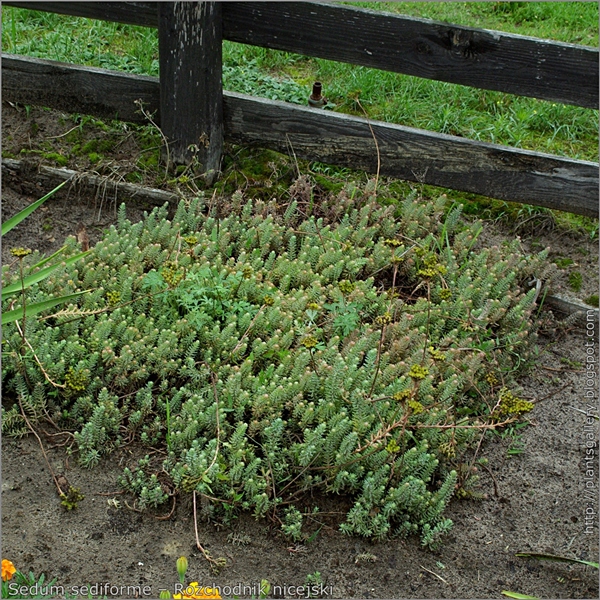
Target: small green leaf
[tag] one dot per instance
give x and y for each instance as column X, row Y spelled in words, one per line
column 33, row 309
column 519, row 596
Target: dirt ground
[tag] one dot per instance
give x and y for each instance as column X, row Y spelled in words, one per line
column 536, row 498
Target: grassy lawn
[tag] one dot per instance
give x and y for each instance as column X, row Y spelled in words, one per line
column 572, row 22
column 438, row 106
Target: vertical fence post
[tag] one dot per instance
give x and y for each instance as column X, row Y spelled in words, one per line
column 191, row 92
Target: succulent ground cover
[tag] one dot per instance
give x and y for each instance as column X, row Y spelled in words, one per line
column 268, row 350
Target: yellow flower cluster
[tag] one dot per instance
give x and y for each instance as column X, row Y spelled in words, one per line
column 113, row 298
column 191, row 240
column 513, row 405
column 392, row 447
column 491, row 379
column 403, row 395
column 309, row 342
column 436, row 354
column 431, row 267
column 171, row 274
column 418, row 372
column 20, row 252
column 384, row 319
column 448, row 449
column 415, row 406
column 76, row 380
column 346, row 287
column 392, row 242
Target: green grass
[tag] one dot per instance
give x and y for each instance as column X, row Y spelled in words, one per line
column 438, row 106
column 572, row 22
column 82, row 41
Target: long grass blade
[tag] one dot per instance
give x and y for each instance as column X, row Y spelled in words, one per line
column 554, row 558
column 30, row 280
column 33, row 309
column 14, row 221
column 48, row 258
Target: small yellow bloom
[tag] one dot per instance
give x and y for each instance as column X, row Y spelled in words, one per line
column 418, row 372
column 383, row 319
column 436, row 354
column 20, row 252
column 416, row 407
column 194, row 590
column 309, row 342
column 8, row 570
column 392, row 242
column 403, row 395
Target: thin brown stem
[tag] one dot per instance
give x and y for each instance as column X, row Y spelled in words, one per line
column 496, row 493
column 215, row 563
column 37, row 360
column 378, row 360
column 167, row 517
column 428, row 321
column 54, row 478
column 481, row 426
column 246, row 332
column 376, row 144
column 140, row 104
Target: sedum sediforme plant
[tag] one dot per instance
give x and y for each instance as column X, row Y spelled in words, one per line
column 358, row 351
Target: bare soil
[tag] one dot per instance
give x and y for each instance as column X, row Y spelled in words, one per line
column 535, row 489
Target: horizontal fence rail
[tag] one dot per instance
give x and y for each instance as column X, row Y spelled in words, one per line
column 407, row 153
column 469, row 56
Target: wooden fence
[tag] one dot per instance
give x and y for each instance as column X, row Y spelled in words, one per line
column 196, row 115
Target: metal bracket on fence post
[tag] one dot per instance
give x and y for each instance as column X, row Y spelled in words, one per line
column 191, row 91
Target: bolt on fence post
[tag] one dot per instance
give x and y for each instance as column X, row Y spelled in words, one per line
column 316, row 99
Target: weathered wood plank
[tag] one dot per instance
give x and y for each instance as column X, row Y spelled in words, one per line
column 569, row 306
column 102, row 186
column 191, row 90
column 105, row 94
column 416, row 155
column 130, row 13
column 465, row 55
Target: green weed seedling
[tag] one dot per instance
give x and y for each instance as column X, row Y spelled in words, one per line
column 575, row 280
column 592, row 300
column 516, row 446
